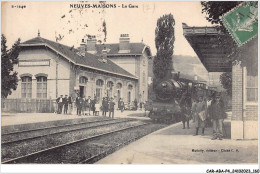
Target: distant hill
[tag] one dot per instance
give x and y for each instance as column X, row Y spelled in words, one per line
column 185, row 64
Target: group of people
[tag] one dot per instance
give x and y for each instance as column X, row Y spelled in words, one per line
column 65, row 104
column 85, row 106
column 108, row 105
column 203, row 112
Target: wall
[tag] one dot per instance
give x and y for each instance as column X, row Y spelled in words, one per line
column 136, row 65
column 63, row 72
column 143, row 84
column 67, row 76
column 90, row 87
column 244, row 124
column 126, row 62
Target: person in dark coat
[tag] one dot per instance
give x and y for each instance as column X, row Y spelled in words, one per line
column 65, row 103
column 93, row 108
column 122, row 105
column 135, row 103
column 111, row 108
column 59, row 101
column 79, row 103
column 104, row 106
column 186, row 105
column 119, row 104
column 83, row 109
column 199, row 111
column 70, row 101
column 88, row 105
column 217, row 115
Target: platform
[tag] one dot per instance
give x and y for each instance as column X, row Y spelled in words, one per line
column 8, row 119
column 174, row 145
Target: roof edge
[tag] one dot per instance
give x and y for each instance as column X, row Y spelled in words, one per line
column 45, row 44
column 210, row 30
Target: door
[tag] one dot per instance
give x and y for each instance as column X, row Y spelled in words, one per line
column 99, row 94
column 81, row 91
column 129, row 97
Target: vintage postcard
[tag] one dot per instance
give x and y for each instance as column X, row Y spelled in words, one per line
column 104, row 82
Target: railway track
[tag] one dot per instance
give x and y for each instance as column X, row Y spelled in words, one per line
column 19, row 136
column 50, row 127
column 48, row 152
column 103, row 154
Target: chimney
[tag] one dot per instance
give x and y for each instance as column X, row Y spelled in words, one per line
column 124, row 43
column 104, row 53
column 82, row 48
column 91, row 45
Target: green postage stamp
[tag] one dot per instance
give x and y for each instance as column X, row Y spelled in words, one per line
column 242, row 22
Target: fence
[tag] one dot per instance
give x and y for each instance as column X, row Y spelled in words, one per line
column 28, row 105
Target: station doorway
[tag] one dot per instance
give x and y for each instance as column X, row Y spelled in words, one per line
column 81, row 91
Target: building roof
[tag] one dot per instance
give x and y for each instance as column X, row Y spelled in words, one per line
column 89, row 60
column 204, row 41
column 113, row 49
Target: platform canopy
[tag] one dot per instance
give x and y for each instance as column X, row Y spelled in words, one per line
column 204, row 41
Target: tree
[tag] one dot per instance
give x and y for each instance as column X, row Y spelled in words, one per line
column 8, row 60
column 226, row 82
column 164, row 40
column 214, row 10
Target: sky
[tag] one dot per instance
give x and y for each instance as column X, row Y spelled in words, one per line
column 139, row 23
column 58, row 19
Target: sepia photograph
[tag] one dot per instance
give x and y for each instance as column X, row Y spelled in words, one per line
column 120, row 82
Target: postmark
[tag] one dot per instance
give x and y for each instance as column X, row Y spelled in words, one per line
column 242, row 22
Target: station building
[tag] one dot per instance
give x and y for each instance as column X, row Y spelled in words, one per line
column 204, row 41
column 48, row 69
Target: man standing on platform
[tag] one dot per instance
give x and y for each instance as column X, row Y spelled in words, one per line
column 122, row 105
column 59, row 101
column 70, row 101
column 218, row 115
column 65, row 103
column 93, row 102
column 89, row 104
column 78, row 104
column 199, row 111
column 136, row 104
column 111, row 108
column 104, row 107
column 185, row 104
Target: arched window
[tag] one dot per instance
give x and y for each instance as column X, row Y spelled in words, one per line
column 100, row 82
column 83, row 80
column 118, row 87
column 99, row 89
column 41, row 87
column 130, row 87
column 129, row 94
column 110, row 84
column 110, row 88
column 26, row 87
